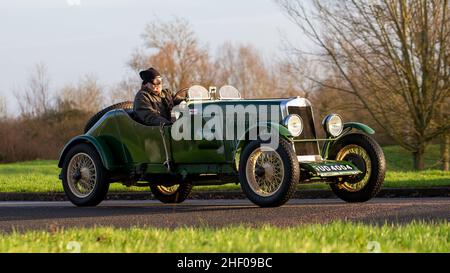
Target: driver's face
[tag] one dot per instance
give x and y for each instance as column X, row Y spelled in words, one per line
column 156, row 85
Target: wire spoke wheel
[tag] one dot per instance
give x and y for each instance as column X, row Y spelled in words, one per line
column 348, row 153
column 176, row 193
column 81, row 175
column 366, row 154
column 168, row 190
column 269, row 175
column 265, row 172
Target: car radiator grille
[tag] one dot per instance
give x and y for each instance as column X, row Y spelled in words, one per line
column 309, row 132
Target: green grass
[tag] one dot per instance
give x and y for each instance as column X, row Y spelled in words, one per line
column 42, row 175
column 399, row 159
column 35, row 176
column 409, row 179
column 333, row 237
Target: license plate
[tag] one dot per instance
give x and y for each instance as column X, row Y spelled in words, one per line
column 334, row 168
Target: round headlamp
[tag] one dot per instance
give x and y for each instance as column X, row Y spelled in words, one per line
column 333, row 125
column 294, row 124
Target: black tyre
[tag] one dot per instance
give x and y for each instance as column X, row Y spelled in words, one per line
column 126, row 105
column 172, row 194
column 84, row 179
column 269, row 176
column 365, row 153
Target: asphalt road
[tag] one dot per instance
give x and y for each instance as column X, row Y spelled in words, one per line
column 218, row 213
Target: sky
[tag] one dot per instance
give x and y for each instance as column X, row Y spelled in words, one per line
column 78, row 37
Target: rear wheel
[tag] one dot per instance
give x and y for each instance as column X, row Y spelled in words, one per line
column 269, row 176
column 365, row 153
column 84, row 178
column 172, row 194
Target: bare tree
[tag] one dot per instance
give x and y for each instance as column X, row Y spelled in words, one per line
column 86, row 96
column 392, row 55
column 173, row 48
column 36, row 98
column 125, row 90
column 243, row 67
column 445, row 151
column 444, row 115
column 3, row 108
column 291, row 77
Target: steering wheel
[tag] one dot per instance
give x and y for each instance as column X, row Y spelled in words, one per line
column 182, row 93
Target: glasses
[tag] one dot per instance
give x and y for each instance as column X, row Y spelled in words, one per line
column 157, row 82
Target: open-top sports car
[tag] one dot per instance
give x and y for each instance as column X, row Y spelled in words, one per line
column 268, row 146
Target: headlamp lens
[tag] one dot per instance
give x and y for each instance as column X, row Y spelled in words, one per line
column 294, row 124
column 333, row 125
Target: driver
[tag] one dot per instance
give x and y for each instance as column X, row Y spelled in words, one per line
column 152, row 104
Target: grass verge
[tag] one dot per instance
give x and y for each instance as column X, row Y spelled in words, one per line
column 333, row 237
column 42, row 176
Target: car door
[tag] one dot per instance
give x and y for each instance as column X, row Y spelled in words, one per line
column 198, row 148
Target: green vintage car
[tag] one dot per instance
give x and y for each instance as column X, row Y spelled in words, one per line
column 268, row 146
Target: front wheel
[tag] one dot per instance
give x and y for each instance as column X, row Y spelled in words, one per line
column 269, row 176
column 84, row 178
column 365, row 153
column 172, row 194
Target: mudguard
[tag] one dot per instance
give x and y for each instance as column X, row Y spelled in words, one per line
column 102, row 149
column 348, row 126
column 359, row 126
column 283, row 131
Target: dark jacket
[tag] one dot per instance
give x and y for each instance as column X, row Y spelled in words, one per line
column 152, row 109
